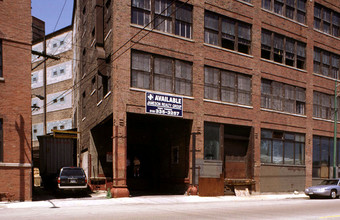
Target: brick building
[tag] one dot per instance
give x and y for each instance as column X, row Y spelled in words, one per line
column 59, row 82
column 15, row 111
column 257, row 79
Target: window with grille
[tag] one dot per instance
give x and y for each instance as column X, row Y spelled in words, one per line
column 323, row 106
column 227, row 86
column 292, row 9
column 283, row 50
column 280, row 147
column 168, row 16
column 149, row 71
column 326, row 63
column 227, row 32
column 326, row 20
column 283, row 97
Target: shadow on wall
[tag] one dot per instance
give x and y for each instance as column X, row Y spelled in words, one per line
column 20, row 128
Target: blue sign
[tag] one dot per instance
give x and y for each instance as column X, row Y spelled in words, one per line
column 161, row 104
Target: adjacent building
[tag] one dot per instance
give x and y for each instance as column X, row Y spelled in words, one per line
column 52, row 86
column 15, row 110
column 248, row 86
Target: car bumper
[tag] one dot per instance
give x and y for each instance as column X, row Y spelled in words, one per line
column 318, row 193
column 72, row 187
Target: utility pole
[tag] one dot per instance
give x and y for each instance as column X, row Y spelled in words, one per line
column 45, row 86
column 335, row 127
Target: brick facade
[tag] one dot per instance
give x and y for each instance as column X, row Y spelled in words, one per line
column 15, row 111
column 125, row 99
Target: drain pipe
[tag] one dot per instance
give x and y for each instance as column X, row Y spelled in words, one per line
column 193, row 188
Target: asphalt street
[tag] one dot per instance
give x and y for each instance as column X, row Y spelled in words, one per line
column 176, row 207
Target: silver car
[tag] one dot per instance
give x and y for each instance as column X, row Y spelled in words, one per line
column 327, row 188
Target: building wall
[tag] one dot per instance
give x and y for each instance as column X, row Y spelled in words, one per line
column 15, row 112
column 200, row 54
column 59, row 81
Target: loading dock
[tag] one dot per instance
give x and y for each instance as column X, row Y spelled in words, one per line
column 161, row 145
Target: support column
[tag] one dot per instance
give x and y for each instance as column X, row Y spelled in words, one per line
column 119, row 187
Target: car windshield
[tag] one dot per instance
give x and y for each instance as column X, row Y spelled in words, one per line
column 329, row 182
column 72, row 172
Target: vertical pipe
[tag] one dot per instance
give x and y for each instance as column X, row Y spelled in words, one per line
column 193, row 159
column 335, row 128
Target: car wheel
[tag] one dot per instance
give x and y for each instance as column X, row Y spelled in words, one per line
column 333, row 194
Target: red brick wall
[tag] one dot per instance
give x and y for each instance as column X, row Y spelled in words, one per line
column 15, row 87
column 200, row 54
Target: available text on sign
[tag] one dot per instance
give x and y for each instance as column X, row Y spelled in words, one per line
column 162, row 104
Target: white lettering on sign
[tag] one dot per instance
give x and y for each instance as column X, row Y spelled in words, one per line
column 168, row 99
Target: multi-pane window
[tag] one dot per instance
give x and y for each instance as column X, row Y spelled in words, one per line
column 326, row 20
column 227, row 86
column 293, row 9
column 283, row 50
column 169, row 16
column 326, row 63
column 1, row 140
column 161, row 73
column 227, row 32
column 323, row 151
column 0, row 58
column 283, row 97
column 323, row 105
column 280, row 147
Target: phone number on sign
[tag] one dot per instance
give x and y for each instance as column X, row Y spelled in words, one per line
column 166, row 112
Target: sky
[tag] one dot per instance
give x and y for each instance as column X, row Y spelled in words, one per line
column 50, row 10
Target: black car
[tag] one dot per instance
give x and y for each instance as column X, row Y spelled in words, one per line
column 72, row 178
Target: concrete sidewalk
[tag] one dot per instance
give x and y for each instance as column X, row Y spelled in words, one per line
column 99, row 198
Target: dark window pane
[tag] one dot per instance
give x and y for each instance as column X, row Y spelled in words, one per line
column 211, row 141
column 289, row 152
column 266, row 4
column 266, row 151
column 277, row 151
column 211, row 21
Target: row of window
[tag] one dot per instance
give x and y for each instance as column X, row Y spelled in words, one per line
column 235, row 35
column 279, row 147
column 154, row 72
column 292, row 9
column 168, row 17
column 326, row 20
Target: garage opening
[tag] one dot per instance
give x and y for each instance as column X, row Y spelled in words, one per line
column 237, row 151
column 157, row 154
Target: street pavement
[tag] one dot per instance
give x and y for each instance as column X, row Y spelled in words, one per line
column 99, row 198
column 169, row 207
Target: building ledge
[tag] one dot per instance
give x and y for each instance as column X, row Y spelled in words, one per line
column 280, row 112
column 228, row 103
column 28, row 165
column 227, row 50
column 2, row 79
column 161, row 32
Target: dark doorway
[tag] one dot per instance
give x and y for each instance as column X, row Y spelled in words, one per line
column 161, row 145
column 101, row 159
column 237, row 148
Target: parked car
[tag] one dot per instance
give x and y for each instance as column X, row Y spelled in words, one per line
column 327, row 188
column 72, row 178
